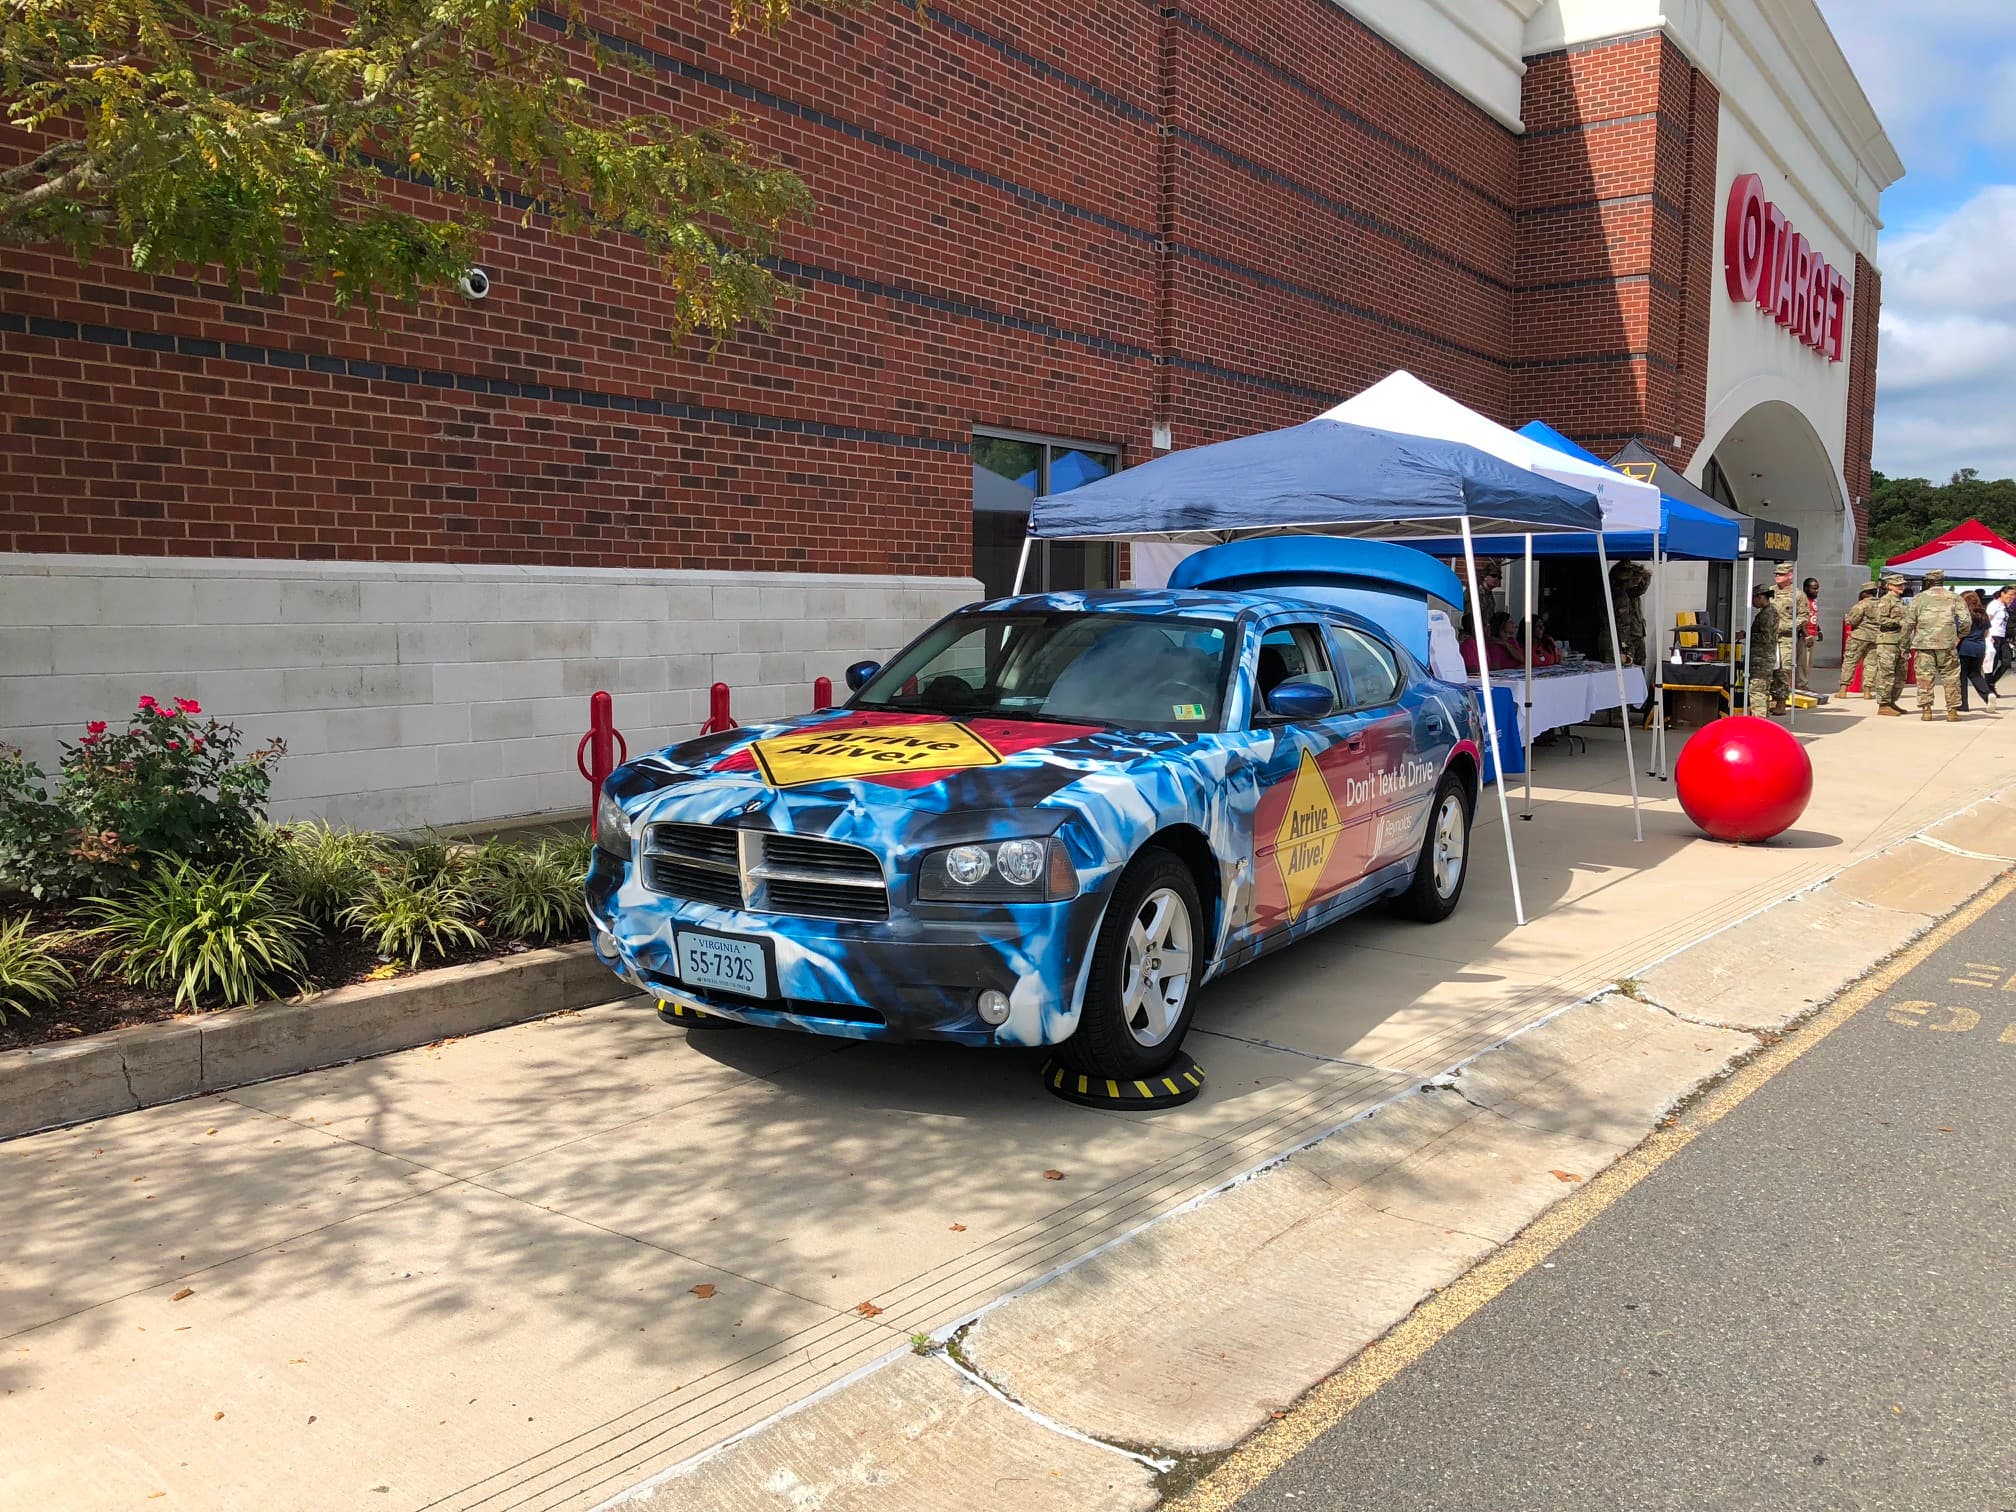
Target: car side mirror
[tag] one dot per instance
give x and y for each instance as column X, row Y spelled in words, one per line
column 861, row 674
column 1300, row 699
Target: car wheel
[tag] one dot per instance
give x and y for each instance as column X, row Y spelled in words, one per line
column 1147, row 960
column 1444, row 862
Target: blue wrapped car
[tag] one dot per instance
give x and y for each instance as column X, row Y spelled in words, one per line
column 1052, row 818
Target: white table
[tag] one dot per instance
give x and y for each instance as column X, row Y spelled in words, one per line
column 1562, row 697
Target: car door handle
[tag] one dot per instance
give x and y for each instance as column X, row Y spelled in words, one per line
column 1434, row 724
column 1354, row 742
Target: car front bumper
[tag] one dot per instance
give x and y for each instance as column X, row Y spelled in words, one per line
column 908, row 977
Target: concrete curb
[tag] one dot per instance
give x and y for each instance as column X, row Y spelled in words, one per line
column 102, row 1074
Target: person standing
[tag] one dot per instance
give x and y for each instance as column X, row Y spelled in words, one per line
column 1933, row 626
column 1972, row 650
column 1885, row 621
column 1860, row 643
column 1761, row 652
column 1809, row 630
column 1789, row 617
column 1628, row 582
column 1998, row 633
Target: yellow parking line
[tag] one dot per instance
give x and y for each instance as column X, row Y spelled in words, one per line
column 1385, row 1358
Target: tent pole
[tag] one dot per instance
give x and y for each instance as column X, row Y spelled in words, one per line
column 1477, row 633
column 1749, row 646
column 1022, row 567
column 1526, row 718
column 1655, row 657
column 1623, row 699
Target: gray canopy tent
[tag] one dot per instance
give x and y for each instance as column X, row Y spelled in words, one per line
column 1328, row 477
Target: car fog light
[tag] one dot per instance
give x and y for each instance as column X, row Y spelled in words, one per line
column 967, row 864
column 994, row 1007
column 1020, row 861
column 605, row 944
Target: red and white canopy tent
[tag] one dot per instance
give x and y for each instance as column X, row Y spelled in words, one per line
column 1968, row 553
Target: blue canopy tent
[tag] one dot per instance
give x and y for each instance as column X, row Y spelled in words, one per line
column 1328, row 477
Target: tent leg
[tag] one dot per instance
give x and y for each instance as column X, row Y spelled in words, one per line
column 1022, row 567
column 1477, row 624
column 1792, row 672
column 1623, row 699
column 1526, row 714
column 1749, row 644
column 1655, row 655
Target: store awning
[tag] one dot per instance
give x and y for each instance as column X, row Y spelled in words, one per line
column 1403, row 403
column 1323, row 477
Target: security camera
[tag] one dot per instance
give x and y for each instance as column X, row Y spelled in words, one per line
column 475, row 284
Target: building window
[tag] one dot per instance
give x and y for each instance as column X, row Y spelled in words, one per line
column 1010, row 472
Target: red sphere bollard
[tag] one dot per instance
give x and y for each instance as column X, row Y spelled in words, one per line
column 1743, row 779
column 822, row 693
column 718, row 717
column 596, row 757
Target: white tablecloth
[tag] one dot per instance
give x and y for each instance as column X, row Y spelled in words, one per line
column 1562, row 698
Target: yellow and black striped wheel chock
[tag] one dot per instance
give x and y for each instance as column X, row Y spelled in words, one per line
column 687, row 1016
column 1171, row 1087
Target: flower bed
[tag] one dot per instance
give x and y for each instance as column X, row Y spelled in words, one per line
column 145, row 883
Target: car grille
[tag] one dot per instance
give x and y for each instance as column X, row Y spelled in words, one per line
column 764, row 873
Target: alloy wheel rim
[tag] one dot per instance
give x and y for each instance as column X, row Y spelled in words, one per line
column 1156, row 983
column 1450, row 844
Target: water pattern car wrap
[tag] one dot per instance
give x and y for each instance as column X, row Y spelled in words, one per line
column 1289, row 826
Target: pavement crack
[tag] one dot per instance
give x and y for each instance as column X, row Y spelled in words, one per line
column 127, row 1072
column 954, row 1356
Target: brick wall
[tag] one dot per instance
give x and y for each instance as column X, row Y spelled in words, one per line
column 1865, row 312
column 1006, row 236
column 1616, row 243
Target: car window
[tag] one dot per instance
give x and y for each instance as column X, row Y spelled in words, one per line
column 1107, row 669
column 1374, row 669
column 1292, row 653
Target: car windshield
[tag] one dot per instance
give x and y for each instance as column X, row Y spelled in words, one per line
column 1106, row 669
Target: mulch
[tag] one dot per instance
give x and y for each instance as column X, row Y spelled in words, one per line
column 95, row 1006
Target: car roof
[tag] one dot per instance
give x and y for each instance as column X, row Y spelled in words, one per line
column 1193, row 603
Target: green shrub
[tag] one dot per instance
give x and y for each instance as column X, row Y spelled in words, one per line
column 325, row 870
column 222, row 933
column 575, row 853
column 404, row 919
column 434, row 859
column 168, row 787
column 531, row 893
column 30, row 972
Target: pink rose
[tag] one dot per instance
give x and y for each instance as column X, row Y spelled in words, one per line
column 147, row 701
column 174, row 745
column 96, row 727
column 188, row 706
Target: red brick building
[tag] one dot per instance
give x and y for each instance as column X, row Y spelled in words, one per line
column 1049, row 240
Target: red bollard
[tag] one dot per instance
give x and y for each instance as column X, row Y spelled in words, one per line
column 596, row 757
column 822, row 693
column 718, row 717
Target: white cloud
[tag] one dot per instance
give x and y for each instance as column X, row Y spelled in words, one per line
column 1946, row 373
column 1937, row 72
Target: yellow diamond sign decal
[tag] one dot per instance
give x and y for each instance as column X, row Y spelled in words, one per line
column 1307, row 835
column 889, row 750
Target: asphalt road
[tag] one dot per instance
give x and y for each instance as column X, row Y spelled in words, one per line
column 1811, row 1305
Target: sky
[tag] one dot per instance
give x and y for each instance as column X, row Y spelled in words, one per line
column 1942, row 76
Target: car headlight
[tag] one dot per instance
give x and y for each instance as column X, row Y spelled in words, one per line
column 613, row 830
column 998, row 871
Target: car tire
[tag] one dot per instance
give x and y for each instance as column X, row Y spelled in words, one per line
column 1137, row 1010
column 1439, row 873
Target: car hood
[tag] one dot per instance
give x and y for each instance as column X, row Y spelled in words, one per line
column 842, row 772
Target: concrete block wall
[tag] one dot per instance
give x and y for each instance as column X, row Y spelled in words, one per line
column 434, row 694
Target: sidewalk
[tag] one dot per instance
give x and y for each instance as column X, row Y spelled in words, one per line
column 538, row 1267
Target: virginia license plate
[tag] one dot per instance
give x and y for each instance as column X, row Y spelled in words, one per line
column 711, row 960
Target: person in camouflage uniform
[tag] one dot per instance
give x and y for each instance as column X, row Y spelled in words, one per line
column 1786, row 604
column 1933, row 626
column 1761, row 651
column 1885, row 624
column 1861, row 641
column 1628, row 582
